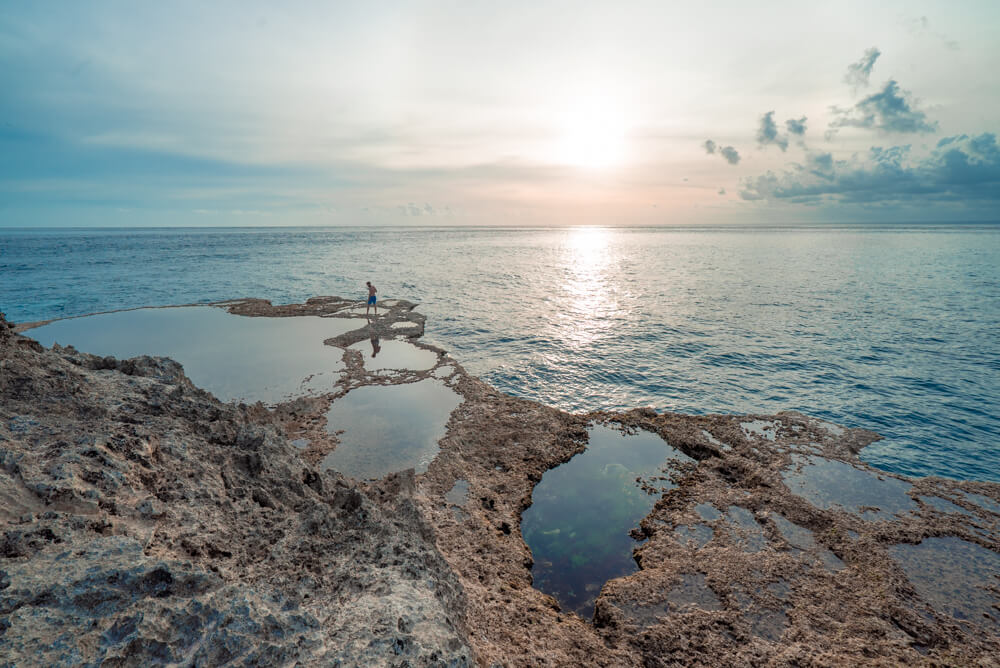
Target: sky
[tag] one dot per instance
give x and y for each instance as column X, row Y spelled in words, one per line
column 485, row 113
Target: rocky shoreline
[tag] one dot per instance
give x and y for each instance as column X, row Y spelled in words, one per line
column 145, row 522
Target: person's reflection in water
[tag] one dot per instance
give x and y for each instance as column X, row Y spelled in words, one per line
column 376, row 346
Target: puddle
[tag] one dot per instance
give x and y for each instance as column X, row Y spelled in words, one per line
column 577, row 526
column 983, row 502
column 714, row 441
column 457, row 496
column 796, row 536
column 693, row 591
column 765, row 428
column 954, row 576
column 830, row 428
column 300, row 443
column 233, row 357
column 804, row 540
column 443, row 371
column 389, row 428
column 699, row 534
column 748, row 532
column 828, row 483
column 459, row 493
column 779, row 589
column 707, row 512
column 944, row 506
column 391, row 354
column 765, row 622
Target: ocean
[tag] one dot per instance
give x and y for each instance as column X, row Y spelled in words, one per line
column 890, row 328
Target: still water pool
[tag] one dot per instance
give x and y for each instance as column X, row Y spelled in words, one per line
column 233, row 357
column 389, row 428
column 577, row 526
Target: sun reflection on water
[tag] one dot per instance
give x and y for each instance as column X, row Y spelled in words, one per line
column 589, row 303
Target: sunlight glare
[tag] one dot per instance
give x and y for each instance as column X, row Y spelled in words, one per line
column 593, row 136
column 591, row 306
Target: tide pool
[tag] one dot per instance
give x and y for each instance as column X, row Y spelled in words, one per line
column 233, row 357
column 581, row 512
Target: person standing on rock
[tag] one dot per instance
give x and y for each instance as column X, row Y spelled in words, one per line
column 371, row 299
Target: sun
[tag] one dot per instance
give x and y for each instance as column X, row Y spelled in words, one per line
column 592, row 136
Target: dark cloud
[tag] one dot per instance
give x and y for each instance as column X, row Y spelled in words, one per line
column 820, row 163
column 767, row 133
column 959, row 168
column 859, row 72
column 796, row 126
column 889, row 110
column 728, row 153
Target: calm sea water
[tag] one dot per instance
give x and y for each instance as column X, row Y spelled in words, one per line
column 893, row 329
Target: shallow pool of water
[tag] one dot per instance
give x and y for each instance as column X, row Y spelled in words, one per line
column 696, row 535
column 802, row 540
column 577, row 526
column 392, row 354
column 744, row 529
column 983, row 502
column 233, row 357
column 765, row 428
column 945, row 506
column 458, row 494
column 955, row 577
column 388, row 428
column 828, row 483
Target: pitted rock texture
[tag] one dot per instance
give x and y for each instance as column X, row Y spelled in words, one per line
column 143, row 522
column 779, row 580
column 200, row 536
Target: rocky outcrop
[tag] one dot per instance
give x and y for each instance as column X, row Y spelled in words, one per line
column 144, row 522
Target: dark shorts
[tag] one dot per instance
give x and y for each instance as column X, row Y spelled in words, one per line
column 371, row 300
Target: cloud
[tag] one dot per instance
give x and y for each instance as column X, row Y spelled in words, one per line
column 767, row 133
column 796, row 126
column 962, row 168
column 728, row 153
column 414, row 209
column 859, row 72
column 889, row 110
column 921, row 26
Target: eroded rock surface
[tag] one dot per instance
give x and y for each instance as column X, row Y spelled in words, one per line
column 145, row 522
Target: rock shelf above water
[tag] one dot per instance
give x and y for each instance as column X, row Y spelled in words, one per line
column 146, row 522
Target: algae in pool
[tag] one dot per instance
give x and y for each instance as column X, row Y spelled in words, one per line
column 389, row 428
column 577, row 526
